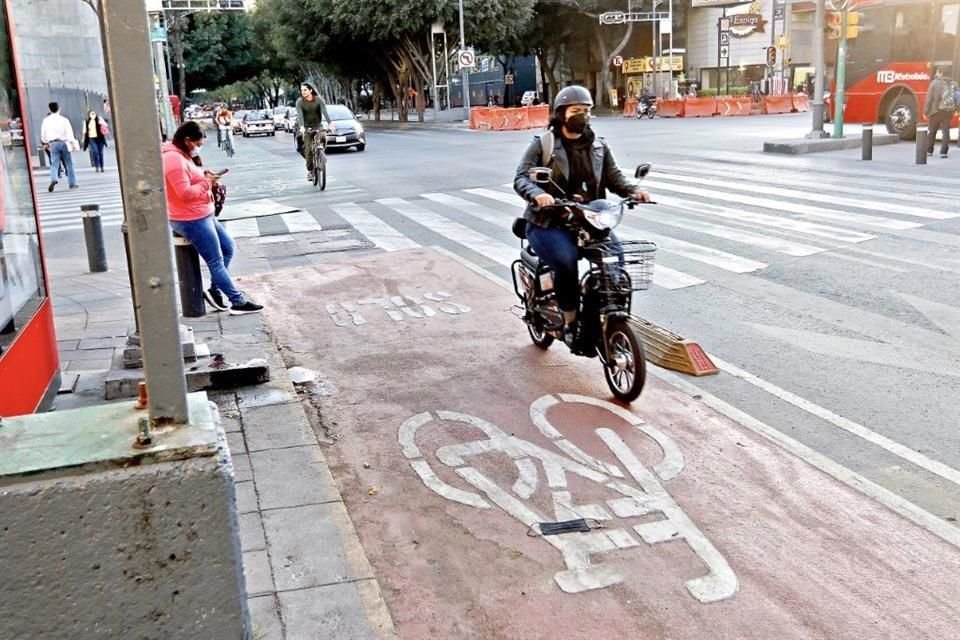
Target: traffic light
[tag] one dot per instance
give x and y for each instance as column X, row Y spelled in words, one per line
column 771, row 56
column 834, row 24
column 853, row 24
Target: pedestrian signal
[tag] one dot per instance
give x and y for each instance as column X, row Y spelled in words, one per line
column 771, row 56
column 834, row 24
column 853, row 24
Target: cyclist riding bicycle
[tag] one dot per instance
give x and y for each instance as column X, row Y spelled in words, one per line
column 311, row 111
column 225, row 130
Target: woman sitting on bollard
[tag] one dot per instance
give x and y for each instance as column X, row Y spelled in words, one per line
column 191, row 211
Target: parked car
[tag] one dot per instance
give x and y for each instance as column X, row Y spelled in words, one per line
column 348, row 131
column 257, row 123
column 280, row 118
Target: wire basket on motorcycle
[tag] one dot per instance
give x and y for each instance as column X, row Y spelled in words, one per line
column 633, row 258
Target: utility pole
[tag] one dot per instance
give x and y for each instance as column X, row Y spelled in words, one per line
column 839, row 94
column 465, row 73
column 819, row 24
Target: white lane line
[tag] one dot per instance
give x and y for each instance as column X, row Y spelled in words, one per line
column 707, row 255
column 892, row 501
column 920, row 460
column 926, row 264
column 243, row 228
column 507, row 198
column 106, row 223
column 789, row 224
column 832, row 198
column 788, row 247
column 492, row 216
column 807, row 211
column 373, row 228
column 484, row 245
column 76, row 215
column 300, row 221
column 497, row 280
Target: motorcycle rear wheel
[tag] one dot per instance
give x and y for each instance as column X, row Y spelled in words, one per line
column 626, row 368
column 539, row 336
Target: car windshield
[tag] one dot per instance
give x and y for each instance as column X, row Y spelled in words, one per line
column 339, row 112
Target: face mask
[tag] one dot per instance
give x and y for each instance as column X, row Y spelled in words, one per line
column 194, row 152
column 577, row 123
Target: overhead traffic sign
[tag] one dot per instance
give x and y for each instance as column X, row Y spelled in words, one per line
column 467, row 59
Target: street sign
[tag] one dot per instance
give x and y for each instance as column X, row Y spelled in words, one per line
column 158, row 34
column 613, row 17
column 618, row 61
column 467, row 59
column 724, row 37
column 620, row 17
column 725, row 51
column 508, row 79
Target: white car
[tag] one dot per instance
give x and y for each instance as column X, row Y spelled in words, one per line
column 257, row 123
column 280, row 118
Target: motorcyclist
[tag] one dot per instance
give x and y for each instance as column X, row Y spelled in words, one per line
column 582, row 168
column 646, row 99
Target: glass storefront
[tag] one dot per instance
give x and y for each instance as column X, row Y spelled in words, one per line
column 21, row 275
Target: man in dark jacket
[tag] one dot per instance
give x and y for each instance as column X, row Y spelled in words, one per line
column 582, row 168
column 939, row 107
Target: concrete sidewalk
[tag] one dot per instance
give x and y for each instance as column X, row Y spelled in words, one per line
column 306, row 575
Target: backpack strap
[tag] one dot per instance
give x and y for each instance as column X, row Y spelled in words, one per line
column 546, row 148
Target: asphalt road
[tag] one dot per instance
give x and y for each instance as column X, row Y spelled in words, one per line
column 826, row 287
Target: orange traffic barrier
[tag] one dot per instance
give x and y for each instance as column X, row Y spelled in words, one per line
column 699, row 107
column 777, row 104
column 498, row 119
column 670, row 108
column 630, row 108
column 801, row 102
column 733, row 106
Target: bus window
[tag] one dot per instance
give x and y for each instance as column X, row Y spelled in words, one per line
column 946, row 41
column 911, row 32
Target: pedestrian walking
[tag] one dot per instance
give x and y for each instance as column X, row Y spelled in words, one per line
column 95, row 138
column 191, row 210
column 56, row 135
column 939, row 106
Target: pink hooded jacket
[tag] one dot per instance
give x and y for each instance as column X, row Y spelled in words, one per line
column 188, row 191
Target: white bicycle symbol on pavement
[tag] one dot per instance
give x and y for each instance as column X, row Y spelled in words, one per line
column 647, row 496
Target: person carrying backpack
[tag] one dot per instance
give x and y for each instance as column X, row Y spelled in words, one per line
column 939, row 106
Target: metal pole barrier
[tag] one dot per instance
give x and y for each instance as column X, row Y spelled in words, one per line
column 816, row 111
column 191, row 282
column 129, row 66
column 133, row 289
column 866, row 142
column 42, row 154
column 93, row 236
column 921, row 155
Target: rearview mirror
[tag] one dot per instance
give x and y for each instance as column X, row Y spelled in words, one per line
column 540, row 175
column 642, row 170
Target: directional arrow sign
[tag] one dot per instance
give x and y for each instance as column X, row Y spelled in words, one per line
column 724, row 51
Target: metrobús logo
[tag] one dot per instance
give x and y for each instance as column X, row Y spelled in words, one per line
column 889, row 77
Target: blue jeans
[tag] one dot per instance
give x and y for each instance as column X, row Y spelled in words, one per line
column 557, row 247
column 96, row 153
column 59, row 152
column 216, row 247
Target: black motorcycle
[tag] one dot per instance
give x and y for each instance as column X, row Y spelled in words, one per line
column 606, row 327
column 646, row 108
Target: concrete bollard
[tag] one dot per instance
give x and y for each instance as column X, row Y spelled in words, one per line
column 93, row 236
column 191, row 282
column 921, row 154
column 866, row 146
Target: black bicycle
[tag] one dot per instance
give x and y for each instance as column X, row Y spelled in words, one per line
column 319, row 142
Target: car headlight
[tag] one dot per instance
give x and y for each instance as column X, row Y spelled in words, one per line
column 359, row 128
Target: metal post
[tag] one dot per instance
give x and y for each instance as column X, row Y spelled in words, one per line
column 191, row 280
column 464, row 72
column 654, row 70
column 433, row 59
column 819, row 66
column 840, row 93
column 93, row 237
column 866, row 146
column 672, row 96
column 160, row 68
column 133, row 289
column 126, row 47
column 921, row 151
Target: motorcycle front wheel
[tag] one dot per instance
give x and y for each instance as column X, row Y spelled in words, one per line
column 626, row 367
column 651, row 113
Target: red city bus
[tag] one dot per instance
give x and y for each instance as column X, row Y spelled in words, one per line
column 892, row 60
column 29, row 363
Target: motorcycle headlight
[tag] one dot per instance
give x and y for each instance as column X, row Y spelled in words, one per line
column 603, row 214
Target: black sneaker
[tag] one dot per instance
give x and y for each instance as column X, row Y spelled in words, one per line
column 52, row 186
column 943, row 155
column 245, row 308
column 215, row 299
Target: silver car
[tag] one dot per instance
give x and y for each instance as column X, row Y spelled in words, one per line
column 348, row 130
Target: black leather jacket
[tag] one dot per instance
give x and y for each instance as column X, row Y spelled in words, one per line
column 605, row 170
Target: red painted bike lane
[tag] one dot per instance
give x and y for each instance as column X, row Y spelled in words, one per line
column 456, row 437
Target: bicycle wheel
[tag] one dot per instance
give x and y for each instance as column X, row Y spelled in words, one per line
column 321, row 162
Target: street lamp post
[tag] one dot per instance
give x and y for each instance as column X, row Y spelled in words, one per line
column 465, row 73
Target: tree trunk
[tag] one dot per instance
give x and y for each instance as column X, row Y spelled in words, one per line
column 377, row 97
column 176, row 44
column 606, row 59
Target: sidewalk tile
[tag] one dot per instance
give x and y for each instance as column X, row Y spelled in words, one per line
column 264, row 395
column 292, row 477
column 333, row 611
column 111, row 329
column 305, row 547
column 90, row 365
column 256, row 570
column 277, row 426
column 246, row 497
column 251, row 532
column 87, row 354
column 87, row 344
column 235, row 443
column 68, row 345
column 264, row 618
column 241, row 467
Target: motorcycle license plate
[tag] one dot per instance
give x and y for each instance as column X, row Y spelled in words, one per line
column 341, row 138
